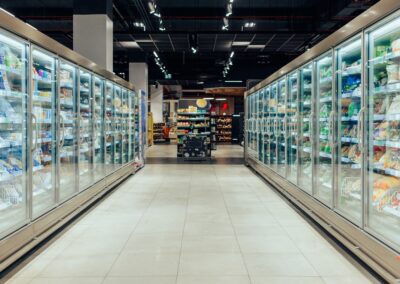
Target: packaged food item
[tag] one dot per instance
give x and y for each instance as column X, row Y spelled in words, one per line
column 394, row 106
column 380, row 131
column 392, row 73
column 396, row 45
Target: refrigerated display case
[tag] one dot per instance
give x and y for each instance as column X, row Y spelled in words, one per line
column 281, row 128
column 132, row 125
column 384, row 130
column 52, row 140
column 348, row 109
column 13, row 132
column 44, row 125
column 67, row 130
column 125, row 126
column 291, row 122
column 344, row 126
column 98, row 136
column 109, row 127
column 260, row 140
column 117, row 119
column 305, row 147
column 266, row 127
column 323, row 131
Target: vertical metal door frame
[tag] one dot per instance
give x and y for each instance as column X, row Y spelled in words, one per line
column 298, row 74
column 365, row 130
column 29, row 188
column 312, row 123
column 285, row 125
column 78, row 129
column 331, row 126
column 57, row 130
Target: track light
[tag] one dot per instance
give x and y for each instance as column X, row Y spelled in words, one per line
column 231, row 1
column 250, row 25
column 161, row 28
column 194, row 50
column 157, row 14
column 152, row 9
column 232, row 54
column 225, row 25
column 155, row 54
column 228, row 10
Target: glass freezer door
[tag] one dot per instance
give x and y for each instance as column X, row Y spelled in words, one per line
column 67, row 135
column 273, row 102
column 131, row 126
column 281, row 129
column 266, row 129
column 291, row 118
column 384, row 131
column 324, row 137
column 260, row 142
column 348, row 86
column 118, row 125
column 43, row 108
column 85, row 130
column 109, row 128
column 125, row 127
column 305, row 146
column 98, row 120
column 137, row 127
column 13, row 132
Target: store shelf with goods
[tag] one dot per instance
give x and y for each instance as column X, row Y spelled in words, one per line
column 109, row 127
column 342, row 123
column 98, row 128
column 158, row 132
column 223, row 128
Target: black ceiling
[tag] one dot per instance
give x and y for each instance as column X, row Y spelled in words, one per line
column 284, row 29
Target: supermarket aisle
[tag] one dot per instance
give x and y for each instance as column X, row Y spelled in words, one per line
column 191, row 224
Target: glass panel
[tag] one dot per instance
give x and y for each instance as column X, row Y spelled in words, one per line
column 384, row 131
column 324, row 119
column 266, row 135
column 67, row 130
column 291, row 118
column 118, row 125
column 85, row 130
column 273, row 103
column 43, row 74
column 281, row 131
column 98, row 106
column 125, row 127
column 260, row 143
column 305, row 115
column 109, row 128
column 137, row 127
column 131, row 126
column 348, row 107
column 13, row 132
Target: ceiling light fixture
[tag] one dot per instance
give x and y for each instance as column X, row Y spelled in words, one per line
column 220, row 99
column 208, row 99
column 152, row 8
column 225, row 25
column 140, row 25
column 249, row 24
column 234, row 81
column 231, row 1
column 228, row 10
column 157, row 14
column 232, row 54
column 193, row 43
column 161, row 28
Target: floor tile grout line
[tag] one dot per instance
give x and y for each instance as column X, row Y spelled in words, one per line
column 184, row 225
column 130, row 235
column 234, row 231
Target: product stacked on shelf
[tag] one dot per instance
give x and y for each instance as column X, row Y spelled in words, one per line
column 213, row 130
column 224, row 128
column 193, row 124
column 158, row 132
column 342, row 149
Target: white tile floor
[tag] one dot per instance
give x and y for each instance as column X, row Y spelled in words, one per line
column 191, row 224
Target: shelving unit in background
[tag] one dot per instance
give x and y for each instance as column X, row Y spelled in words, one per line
column 194, row 125
column 224, row 128
column 158, row 133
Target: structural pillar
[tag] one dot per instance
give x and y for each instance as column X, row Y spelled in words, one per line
column 93, row 31
column 138, row 76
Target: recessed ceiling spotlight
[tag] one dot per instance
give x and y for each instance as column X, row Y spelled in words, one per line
column 249, row 24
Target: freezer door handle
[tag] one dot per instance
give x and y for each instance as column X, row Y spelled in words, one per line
column 360, row 126
column 62, row 131
column 330, row 132
column 34, row 123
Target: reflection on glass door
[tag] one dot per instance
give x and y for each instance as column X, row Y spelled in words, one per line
column 273, row 106
column 137, row 127
column 13, row 132
column 349, row 125
column 266, row 127
column 118, row 125
column 305, row 146
column 324, row 119
column 260, row 142
column 43, row 156
column 291, row 118
column 67, row 124
column 109, row 128
column 281, row 129
column 384, row 131
column 98, row 125
column 125, row 126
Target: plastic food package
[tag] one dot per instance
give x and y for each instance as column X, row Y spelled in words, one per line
column 393, row 73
